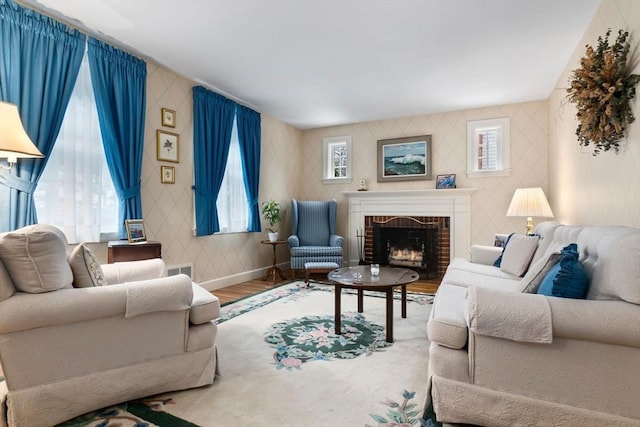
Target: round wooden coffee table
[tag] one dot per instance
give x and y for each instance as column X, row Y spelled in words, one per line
column 359, row 278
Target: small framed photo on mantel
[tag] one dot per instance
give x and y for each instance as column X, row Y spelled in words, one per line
column 446, row 181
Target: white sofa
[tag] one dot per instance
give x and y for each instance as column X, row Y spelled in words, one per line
column 65, row 351
column 503, row 357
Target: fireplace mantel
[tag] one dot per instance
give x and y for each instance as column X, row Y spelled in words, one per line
column 454, row 203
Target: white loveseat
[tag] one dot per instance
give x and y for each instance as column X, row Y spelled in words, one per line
column 65, row 351
column 503, row 357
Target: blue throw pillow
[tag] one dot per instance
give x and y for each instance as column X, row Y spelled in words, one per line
column 546, row 286
column 497, row 262
column 566, row 279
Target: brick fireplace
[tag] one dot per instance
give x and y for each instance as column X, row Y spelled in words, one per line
column 442, row 215
column 417, row 242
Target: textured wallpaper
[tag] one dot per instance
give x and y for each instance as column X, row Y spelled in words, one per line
column 588, row 190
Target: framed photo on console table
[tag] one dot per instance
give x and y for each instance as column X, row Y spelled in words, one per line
column 404, row 159
column 135, row 230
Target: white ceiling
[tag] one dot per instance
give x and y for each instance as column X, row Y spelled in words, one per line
column 315, row 63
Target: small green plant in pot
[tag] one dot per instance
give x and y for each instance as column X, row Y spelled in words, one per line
column 271, row 213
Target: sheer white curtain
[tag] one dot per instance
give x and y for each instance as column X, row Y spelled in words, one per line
column 233, row 214
column 75, row 192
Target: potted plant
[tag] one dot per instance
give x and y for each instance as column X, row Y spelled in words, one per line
column 272, row 214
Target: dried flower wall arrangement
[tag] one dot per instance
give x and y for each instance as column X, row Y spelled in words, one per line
column 602, row 89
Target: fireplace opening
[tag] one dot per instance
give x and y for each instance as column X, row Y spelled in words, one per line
column 418, row 243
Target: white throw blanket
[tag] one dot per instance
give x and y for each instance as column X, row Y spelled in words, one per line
column 514, row 316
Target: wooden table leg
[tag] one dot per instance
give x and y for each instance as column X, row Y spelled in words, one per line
column 404, row 301
column 338, row 325
column 390, row 314
column 360, row 300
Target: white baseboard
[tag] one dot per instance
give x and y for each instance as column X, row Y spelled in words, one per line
column 223, row 282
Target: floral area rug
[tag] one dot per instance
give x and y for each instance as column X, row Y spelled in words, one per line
column 281, row 365
column 313, row 338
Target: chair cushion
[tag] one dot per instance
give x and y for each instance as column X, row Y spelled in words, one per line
column 85, row 268
column 316, row 251
column 35, row 257
column 447, row 325
column 518, row 253
column 205, row 306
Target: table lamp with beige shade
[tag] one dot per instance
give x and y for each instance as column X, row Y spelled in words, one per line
column 529, row 202
column 14, row 141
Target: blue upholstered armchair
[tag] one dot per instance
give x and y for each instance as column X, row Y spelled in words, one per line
column 313, row 237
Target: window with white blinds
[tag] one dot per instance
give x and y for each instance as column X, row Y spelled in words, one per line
column 488, row 147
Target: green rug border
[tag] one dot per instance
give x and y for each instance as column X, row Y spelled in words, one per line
column 160, row 418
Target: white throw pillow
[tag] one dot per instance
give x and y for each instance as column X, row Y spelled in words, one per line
column 518, row 253
column 36, row 259
column 538, row 270
column 86, row 268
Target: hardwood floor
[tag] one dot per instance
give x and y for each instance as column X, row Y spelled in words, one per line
column 252, row 287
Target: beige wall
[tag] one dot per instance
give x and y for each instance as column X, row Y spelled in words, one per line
column 603, row 189
column 168, row 208
column 544, row 152
column 489, row 202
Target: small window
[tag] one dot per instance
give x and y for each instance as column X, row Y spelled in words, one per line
column 488, row 147
column 337, row 160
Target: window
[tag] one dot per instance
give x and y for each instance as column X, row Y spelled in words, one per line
column 488, row 147
column 233, row 210
column 75, row 192
column 337, row 160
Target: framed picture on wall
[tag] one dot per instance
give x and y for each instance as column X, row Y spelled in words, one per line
column 167, row 174
column 168, row 146
column 168, row 118
column 404, row 159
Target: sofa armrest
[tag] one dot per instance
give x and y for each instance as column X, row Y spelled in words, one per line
column 509, row 315
column 293, row 241
column 481, row 254
column 25, row 311
column 611, row 322
column 521, row 317
column 335, row 240
column 132, row 271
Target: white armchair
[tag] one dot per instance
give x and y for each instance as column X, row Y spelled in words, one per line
column 66, row 351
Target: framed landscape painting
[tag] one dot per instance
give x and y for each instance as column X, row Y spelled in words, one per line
column 404, row 159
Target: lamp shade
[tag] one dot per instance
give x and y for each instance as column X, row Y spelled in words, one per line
column 14, row 141
column 529, row 202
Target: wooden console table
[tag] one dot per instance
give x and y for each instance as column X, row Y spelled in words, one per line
column 122, row 250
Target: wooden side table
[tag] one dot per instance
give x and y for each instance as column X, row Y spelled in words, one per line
column 274, row 271
column 122, row 250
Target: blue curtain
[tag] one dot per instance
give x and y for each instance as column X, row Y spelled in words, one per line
column 119, row 83
column 212, row 124
column 248, row 123
column 39, row 64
